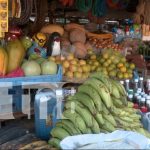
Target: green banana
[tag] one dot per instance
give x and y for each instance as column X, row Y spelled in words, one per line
column 87, row 89
column 59, row 133
column 108, row 127
column 110, row 118
column 63, row 126
column 76, row 119
column 70, row 126
column 121, row 88
column 127, row 119
column 99, row 119
column 115, row 92
column 86, row 101
column 141, row 131
column 54, row 142
column 105, row 110
column 117, row 102
column 82, row 111
column 130, row 104
column 95, row 128
column 105, row 80
column 89, row 131
column 102, row 90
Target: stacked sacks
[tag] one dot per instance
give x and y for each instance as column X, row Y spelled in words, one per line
column 100, row 105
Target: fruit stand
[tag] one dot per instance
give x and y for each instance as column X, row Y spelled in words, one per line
column 67, row 70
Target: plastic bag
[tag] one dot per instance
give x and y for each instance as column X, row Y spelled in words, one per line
column 116, row 140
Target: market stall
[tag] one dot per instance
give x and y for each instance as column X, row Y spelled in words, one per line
column 75, row 70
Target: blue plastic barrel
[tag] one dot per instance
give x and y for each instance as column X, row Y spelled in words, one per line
column 45, row 113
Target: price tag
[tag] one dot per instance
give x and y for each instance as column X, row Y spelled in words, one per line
column 59, row 92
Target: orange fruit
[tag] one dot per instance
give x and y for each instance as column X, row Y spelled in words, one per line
column 123, row 69
column 119, row 65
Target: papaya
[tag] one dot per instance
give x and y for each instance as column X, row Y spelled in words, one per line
column 16, row 54
column 3, row 61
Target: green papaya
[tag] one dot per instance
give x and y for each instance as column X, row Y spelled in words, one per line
column 16, row 54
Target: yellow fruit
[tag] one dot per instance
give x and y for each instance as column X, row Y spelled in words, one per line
column 93, row 68
column 51, row 58
column 79, row 69
column 132, row 66
column 85, row 68
column 88, row 68
column 102, row 60
column 127, row 65
column 78, row 75
column 96, row 63
column 126, row 75
column 112, row 74
column 82, row 62
column 119, row 65
column 70, row 57
column 66, row 64
column 129, row 71
column 116, row 61
column 120, row 75
column 108, row 61
column 123, row 60
column 105, row 64
column 110, row 68
column 73, row 68
column 93, row 57
column 123, row 69
column 105, row 55
column 69, row 74
column 130, row 75
column 73, row 62
column 112, row 57
column 64, row 71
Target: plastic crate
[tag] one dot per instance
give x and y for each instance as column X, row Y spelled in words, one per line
column 16, row 91
column 45, row 113
column 35, row 79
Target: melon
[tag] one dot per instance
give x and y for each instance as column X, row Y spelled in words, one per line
column 31, row 68
column 49, row 68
